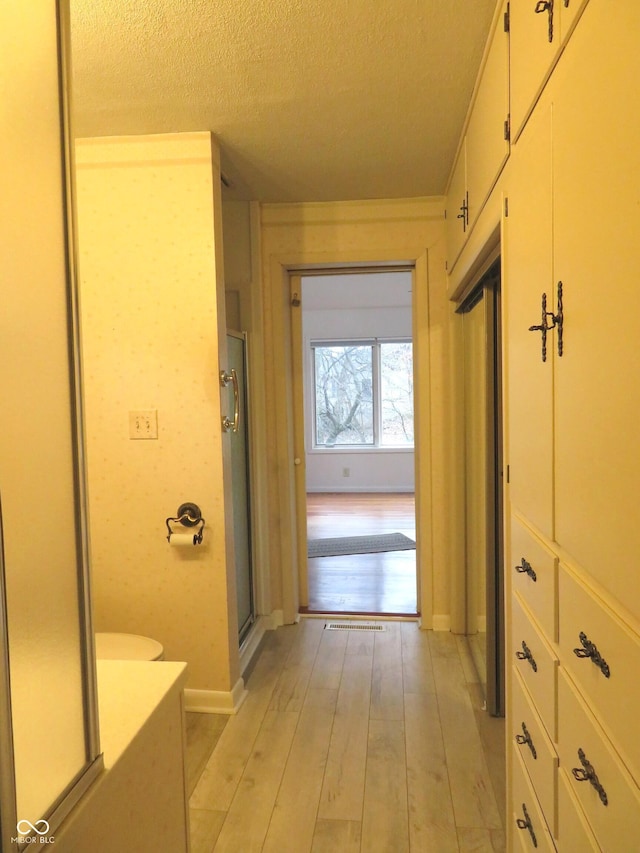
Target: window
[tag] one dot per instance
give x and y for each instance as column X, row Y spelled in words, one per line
column 363, row 393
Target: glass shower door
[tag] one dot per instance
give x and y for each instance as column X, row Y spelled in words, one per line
column 237, row 361
column 49, row 750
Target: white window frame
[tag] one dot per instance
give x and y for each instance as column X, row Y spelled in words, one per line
column 376, row 346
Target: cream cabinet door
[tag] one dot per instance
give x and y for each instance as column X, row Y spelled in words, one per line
column 597, row 217
column 487, row 142
column 528, row 265
column 534, row 43
column 570, row 11
column 457, row 210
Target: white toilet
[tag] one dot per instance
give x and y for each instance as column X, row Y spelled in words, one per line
column 127, row 647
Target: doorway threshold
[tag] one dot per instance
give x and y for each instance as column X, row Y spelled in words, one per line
column 307, row 613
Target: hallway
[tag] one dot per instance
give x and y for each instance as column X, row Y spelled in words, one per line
column 351, row 741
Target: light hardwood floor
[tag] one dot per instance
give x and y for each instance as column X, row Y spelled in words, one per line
column 354, row 741
column 382, row 583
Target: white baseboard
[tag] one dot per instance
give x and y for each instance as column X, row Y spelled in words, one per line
column 441, row 622
column 215, row 701
column 274, row 620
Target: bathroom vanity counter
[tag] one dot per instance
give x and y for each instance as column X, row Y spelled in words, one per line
column 129, row 693
column 139, row 802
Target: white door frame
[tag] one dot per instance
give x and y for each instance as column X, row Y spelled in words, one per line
column 280, row 269
column 300, row 414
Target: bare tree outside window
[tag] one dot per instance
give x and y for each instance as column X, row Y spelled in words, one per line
column 363, row 394
column 344, row 395
column 396, row 393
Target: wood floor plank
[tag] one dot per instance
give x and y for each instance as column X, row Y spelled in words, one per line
column 481, row 840
column 222, row 773
column 343, row 789
column 205, row 828
column 248, row 818
column 294, row 815
column 473, row 797
column 292, row 684
column 386, row 679
column 360, row 644
column 203, row 732
column 337, row 836
column 385, row 819
column 417, row 667
column 342, row 793
column 431, row 818
column 327, row 668
column 354, row 694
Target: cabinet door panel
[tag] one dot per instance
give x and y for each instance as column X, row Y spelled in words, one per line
column 531, row 831
column 614, row 816
column 570, row 11
column 529, row 273
column 541, row 594
column 537, row 664
column 574, row 832
column 612, row 688
column 531, row 56
column 530, row 740
column 487, row 148
column 597, row 213
column 456, row 229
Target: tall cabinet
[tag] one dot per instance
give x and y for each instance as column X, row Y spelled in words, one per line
column 573, row 371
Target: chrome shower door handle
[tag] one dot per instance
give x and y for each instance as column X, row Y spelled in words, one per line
column 229, row 425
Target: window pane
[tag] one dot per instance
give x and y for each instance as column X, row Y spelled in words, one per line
column 396, row 386
column 344, row 405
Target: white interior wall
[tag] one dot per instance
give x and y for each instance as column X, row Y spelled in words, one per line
column 354, row 306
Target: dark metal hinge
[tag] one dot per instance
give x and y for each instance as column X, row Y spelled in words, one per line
column 507, row 19
column 506, row 207
column 507, row 128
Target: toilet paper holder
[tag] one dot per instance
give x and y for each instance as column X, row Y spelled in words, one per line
column 188, row 515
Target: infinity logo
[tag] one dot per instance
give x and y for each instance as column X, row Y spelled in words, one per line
column 40, row 826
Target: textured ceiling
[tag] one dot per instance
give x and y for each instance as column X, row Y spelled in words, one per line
column 311, row 100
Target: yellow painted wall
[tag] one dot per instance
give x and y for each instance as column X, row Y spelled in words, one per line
column 349, row 233
column 149, row 256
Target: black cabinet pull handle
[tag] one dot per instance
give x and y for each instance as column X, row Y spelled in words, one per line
column 549, row 321
column 525, row 568
column 590, row 650
column 526, row 824
column 525, row 654
column 546, row 6
column 464, row 213
column 586, row 773
column 525, row 737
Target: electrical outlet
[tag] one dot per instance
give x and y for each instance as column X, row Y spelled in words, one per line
column 346, row 472
column 143, row 424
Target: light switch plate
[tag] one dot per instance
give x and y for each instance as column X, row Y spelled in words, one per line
column 143, row 424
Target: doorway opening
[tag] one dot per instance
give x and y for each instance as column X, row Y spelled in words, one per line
column 484, row 551
column 354, row 353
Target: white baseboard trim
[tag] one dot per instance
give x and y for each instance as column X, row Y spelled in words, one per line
column 441, row 622
column 215, row 701
column 274, row 620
